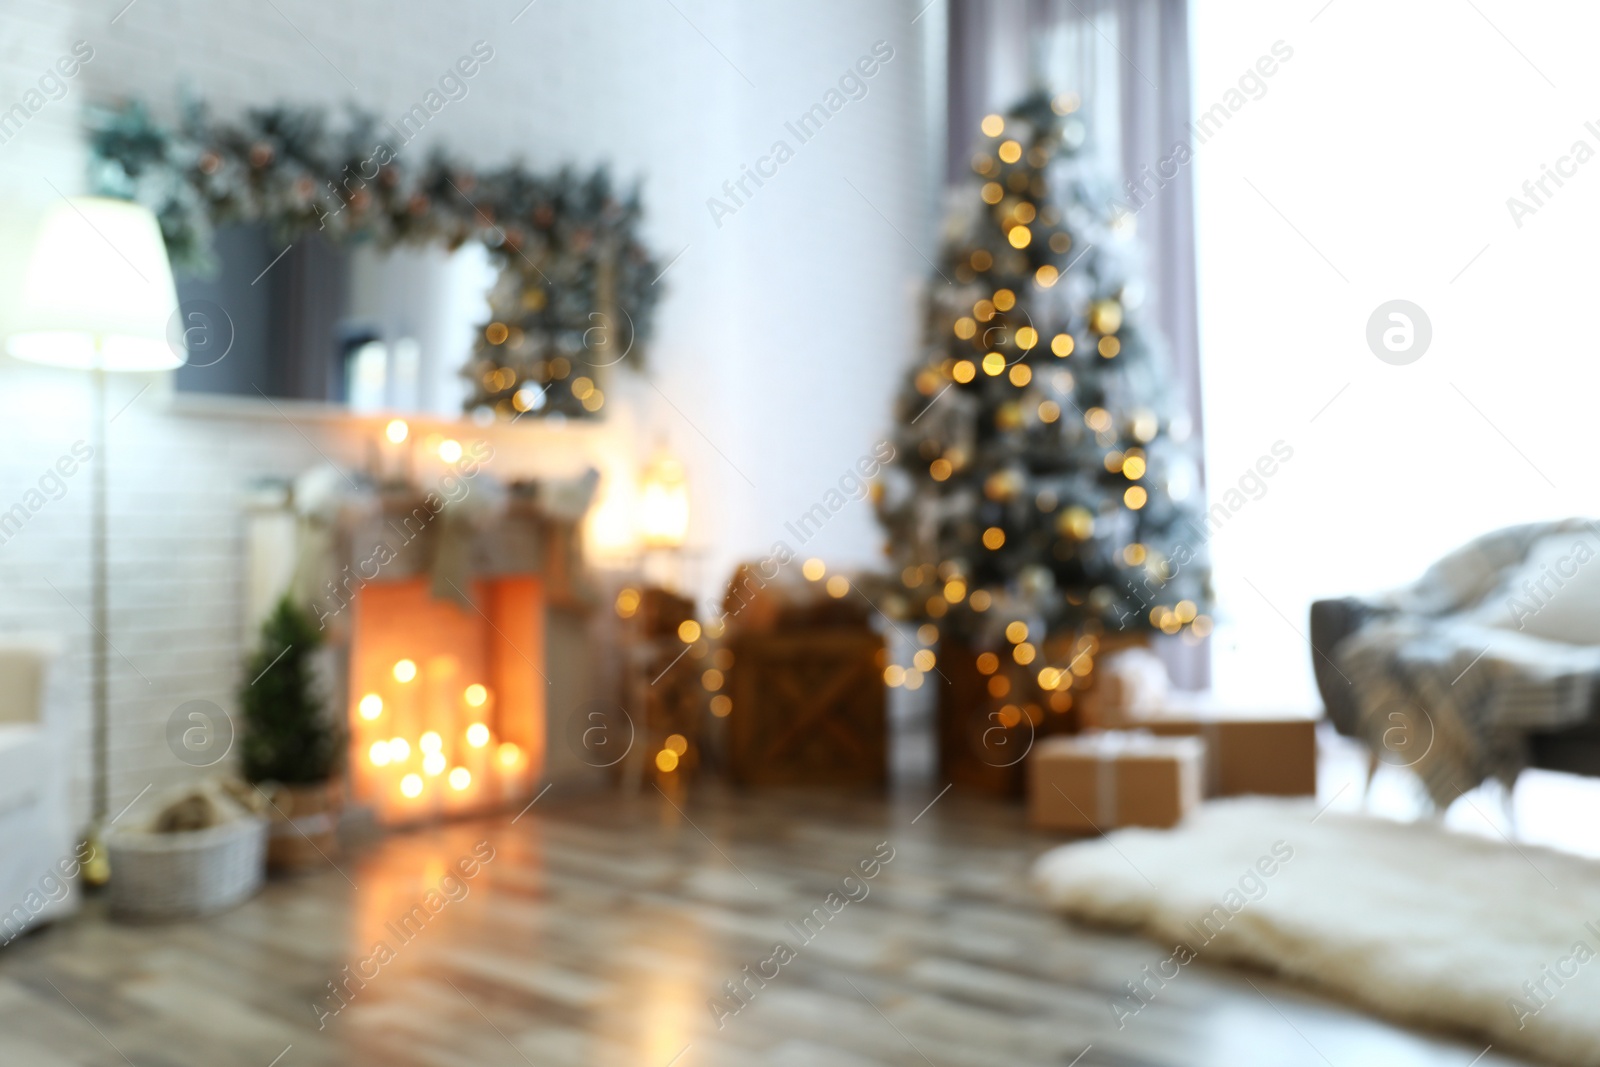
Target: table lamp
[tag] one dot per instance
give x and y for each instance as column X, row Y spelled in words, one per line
column 96, row 294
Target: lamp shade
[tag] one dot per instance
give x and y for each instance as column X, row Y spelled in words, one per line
column 96, row 290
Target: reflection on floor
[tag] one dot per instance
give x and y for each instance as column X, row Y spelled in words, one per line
column 605, row 930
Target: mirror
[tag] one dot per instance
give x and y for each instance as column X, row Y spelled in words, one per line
column 360, row 327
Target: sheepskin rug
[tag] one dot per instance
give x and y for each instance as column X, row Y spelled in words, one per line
column 1409, row 920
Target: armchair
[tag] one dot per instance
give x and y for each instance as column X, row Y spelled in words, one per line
column 36, row 835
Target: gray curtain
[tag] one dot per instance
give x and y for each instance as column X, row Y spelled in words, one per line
column 1129, row 62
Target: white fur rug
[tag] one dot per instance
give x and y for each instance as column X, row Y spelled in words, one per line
column 1408, row 920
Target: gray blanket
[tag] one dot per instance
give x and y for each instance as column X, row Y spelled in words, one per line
column 1445, row 681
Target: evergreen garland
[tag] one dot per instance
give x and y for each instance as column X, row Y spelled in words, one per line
column 575, row 289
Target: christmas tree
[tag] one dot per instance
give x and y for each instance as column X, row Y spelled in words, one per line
column 1045, row 493
column 288, row 736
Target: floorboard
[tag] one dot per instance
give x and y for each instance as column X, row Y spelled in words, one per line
column 605, row 925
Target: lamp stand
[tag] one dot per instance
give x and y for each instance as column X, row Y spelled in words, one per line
column 97, row 867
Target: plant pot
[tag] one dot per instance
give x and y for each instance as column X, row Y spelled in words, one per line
column 304, row 824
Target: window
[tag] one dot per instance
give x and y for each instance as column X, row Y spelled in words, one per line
column 1374, row 163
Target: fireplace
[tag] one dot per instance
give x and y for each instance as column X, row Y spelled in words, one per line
column 447, row 703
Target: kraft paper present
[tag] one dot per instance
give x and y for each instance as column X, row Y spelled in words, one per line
column 1099, row 780
column 1247, row 753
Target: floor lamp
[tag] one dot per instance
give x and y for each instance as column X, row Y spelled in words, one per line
column 96, row 294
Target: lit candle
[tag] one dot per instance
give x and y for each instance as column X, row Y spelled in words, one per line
column 395, row 450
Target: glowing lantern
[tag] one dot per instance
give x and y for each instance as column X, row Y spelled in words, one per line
column 663, row 503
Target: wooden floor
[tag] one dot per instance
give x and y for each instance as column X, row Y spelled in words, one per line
column 603, row 926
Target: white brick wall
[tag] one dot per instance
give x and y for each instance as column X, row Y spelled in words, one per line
column 778, row 346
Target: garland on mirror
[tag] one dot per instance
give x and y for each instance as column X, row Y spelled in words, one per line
column 575, row 281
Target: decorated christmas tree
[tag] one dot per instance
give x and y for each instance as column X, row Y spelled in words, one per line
column 1045, row 493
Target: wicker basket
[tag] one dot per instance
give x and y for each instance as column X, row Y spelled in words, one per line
column 186, row 875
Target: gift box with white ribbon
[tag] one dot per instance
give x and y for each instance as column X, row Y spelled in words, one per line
column 1096, row 781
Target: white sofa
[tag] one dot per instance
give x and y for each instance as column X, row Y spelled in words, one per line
column 38, row 853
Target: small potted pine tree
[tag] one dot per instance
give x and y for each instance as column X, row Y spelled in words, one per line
column 290, row 748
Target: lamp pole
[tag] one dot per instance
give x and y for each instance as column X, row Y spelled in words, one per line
column 97, row 867
column 101, row 609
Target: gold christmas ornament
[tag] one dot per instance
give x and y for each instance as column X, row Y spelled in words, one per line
column 1105, row 316
column 1076, row 522
column 1003, row 485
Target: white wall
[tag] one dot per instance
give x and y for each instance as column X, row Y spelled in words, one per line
column 777, row 347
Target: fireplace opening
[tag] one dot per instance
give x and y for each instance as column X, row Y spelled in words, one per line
column 447, row 703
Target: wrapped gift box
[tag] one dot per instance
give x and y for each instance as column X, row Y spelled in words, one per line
column 1098, row 780
column 1260, row 753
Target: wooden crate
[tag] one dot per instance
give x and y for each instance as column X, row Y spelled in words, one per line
column 808, row 708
